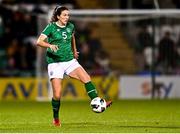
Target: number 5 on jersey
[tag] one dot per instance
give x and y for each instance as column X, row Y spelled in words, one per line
column 64, row 35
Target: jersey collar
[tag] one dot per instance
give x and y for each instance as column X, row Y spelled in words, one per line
column 59, row 25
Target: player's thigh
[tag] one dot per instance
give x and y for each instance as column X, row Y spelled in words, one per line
column 56, row 86
column 80, row 74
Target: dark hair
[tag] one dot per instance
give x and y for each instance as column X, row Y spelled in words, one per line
column 57, row 12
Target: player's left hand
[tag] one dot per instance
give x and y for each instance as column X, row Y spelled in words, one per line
column 76, row 55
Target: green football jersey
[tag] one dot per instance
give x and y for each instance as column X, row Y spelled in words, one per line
column 60, row 36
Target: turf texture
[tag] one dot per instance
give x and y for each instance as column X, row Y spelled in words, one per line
column 124, row 116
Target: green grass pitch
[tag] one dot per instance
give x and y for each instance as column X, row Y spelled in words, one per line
column 124, row 116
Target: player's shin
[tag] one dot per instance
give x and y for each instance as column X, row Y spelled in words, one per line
column 91, row 90
column 55, row 106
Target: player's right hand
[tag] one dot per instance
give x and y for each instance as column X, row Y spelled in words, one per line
column 53, row 48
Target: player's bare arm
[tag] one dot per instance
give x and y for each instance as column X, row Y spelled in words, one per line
column 41, row 41
column 74, row 49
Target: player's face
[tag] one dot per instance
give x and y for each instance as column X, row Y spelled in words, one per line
column 64, row 17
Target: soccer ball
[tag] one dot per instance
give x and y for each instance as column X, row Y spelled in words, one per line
column 98, row 105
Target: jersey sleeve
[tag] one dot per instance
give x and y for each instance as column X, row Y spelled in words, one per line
column 47, row 30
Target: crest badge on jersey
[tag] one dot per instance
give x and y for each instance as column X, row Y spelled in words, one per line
column 68, row 30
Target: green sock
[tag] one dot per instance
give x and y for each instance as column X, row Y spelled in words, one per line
column 55, row 106
column 91, row 90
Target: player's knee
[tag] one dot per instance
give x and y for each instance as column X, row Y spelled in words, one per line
column 57, row 96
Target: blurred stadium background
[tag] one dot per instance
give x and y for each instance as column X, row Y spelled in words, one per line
column 131, row 48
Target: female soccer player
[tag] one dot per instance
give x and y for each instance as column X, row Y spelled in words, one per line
column 62, row 57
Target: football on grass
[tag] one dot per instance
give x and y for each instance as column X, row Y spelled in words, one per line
column 98, row 105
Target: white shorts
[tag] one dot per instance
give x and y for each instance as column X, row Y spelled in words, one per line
column 57, row 70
